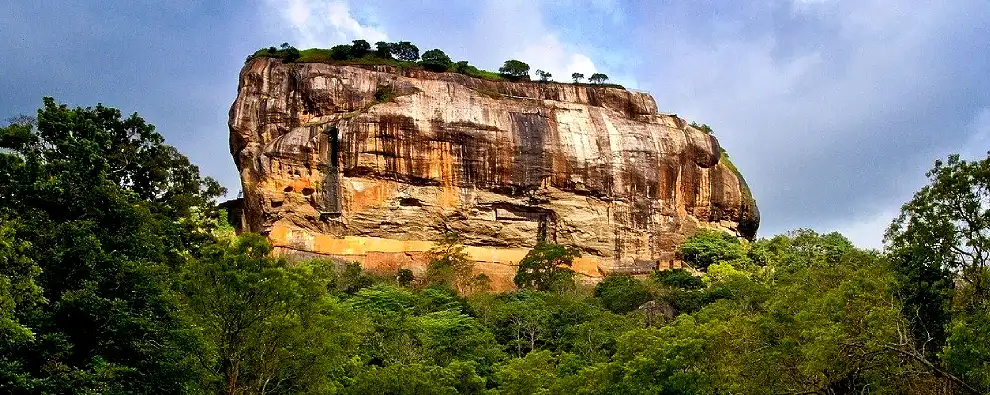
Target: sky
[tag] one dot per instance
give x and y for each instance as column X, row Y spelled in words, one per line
column 832, row 109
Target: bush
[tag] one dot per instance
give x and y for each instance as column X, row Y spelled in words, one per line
column 384, row 94
column 404, row 277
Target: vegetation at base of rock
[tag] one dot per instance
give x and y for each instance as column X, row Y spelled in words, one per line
column 547, row 267
column 405, row 55
column 119, row 275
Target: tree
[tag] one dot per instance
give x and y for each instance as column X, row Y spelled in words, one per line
column 106, row 211
column 544, row 76
column 341, row 52
column 514, row 69
column 20, row 294
column 533, row 374
column 547, row 267
column 383, row 50
column 436, row 60
column 577, row 77
column 707, row 247
column 939, row 238
column 290, row 55
column 940, row 247
column 598, row 78
column 359, row 48
column 449, row 264
column 621, row 294
column 405, row 51
column 268, row 327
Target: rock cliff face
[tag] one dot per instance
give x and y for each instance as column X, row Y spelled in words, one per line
column 373, row 164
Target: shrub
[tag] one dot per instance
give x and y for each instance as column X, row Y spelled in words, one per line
column 703, row 127
column 404, row 277
column 384, row 94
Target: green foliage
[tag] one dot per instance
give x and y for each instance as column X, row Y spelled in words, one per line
column 353, row 279
column 547, row 267
column 405, row 51
column 621, row 293
column 436, row 60
column 118, row 274
column 384, row 94
column 449, row 265
column 598, row 78
column 514, row 69
column 359, row 48
column 707, row 247
column 577, row 77
column 544, row 75
column 404, row 277
column 97, row 212
column 967, row 351
column 266, row 326
column 703, row 127
column 383, row 50
column 341, row 52
column 940, row 241
column 19, row 292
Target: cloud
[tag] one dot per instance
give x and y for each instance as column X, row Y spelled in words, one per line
column 834, row 114
column 549, row 54
column 322, row 23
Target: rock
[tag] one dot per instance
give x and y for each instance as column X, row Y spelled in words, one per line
column 373, row 164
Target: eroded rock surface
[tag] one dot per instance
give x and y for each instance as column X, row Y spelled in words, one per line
column 372, row 165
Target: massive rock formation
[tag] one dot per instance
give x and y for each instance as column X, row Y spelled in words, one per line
column 374, row 164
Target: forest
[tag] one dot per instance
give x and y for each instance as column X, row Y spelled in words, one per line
column 119, row 274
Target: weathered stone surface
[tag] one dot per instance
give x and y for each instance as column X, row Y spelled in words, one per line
column 371, row 165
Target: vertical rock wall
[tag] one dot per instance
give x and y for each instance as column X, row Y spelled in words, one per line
column 372, row 165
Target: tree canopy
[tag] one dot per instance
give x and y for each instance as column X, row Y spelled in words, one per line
column 514, row 69
column 436, row 60
column 118, row 274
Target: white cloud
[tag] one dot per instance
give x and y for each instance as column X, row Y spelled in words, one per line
column 515, row 29
column 549, row 54
column 321, row 23
column 867, row 232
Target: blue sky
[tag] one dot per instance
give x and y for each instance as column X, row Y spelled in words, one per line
column 832, row 109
